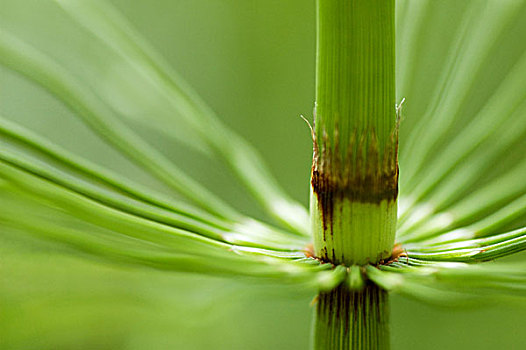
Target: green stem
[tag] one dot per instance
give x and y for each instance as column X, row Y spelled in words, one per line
column 355, row 171
column 355, row 164
column 347, row 319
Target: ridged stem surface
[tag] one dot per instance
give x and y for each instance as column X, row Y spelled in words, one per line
column 355, row 165
column 354, row 179
column 348, row 319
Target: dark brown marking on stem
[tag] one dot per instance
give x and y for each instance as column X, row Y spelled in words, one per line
column 397, row 253
column 361, row 174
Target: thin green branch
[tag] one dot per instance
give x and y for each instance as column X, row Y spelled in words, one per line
column 128, row 205
column 475, row 250
column 510, row 95
column 112, row 28
column 126, row 195
column 493, row 18
column 109, row 243
column 51, row 195
column 39, row 68
column 480, row 282
column 107, row 247
column 431, row 293
column 104, row 176
column 490, row 198
column 465, row 176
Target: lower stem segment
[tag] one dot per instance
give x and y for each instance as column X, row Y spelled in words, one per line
column 357, row 320
column 351, row 232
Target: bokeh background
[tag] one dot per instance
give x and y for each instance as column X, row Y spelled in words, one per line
column 253, row 62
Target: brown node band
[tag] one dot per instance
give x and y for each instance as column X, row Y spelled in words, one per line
column 361, row 174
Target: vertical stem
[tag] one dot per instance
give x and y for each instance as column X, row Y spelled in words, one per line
column 355, row 172
column 348, row 319
column 354, row 179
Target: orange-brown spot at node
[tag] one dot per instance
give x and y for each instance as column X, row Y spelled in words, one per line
column 398, row 252
column 309, row 251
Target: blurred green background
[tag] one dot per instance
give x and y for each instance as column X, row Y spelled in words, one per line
column 253, row 62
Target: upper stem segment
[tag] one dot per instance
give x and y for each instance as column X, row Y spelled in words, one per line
column 355, row 168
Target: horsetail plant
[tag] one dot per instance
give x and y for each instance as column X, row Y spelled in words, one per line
column 362, row 239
